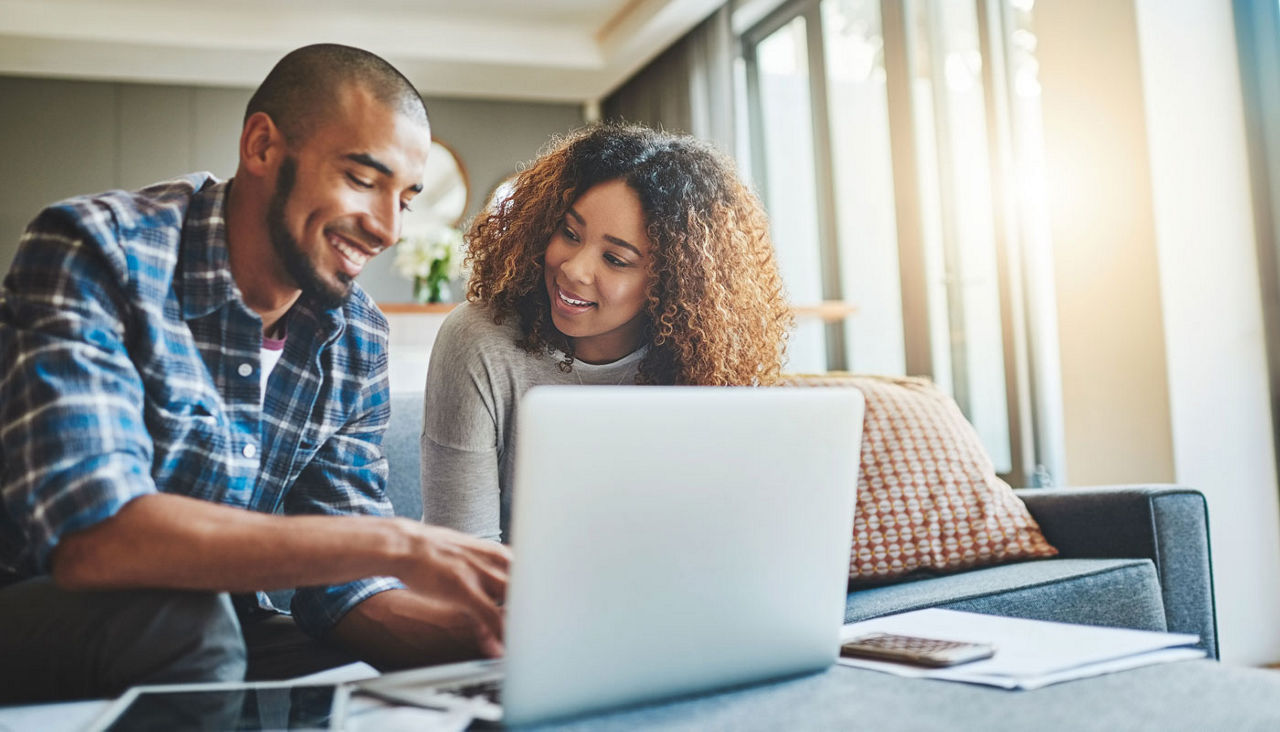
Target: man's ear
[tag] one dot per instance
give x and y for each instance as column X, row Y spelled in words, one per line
column 261, row 145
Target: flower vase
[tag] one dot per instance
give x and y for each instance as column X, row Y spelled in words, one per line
column 427, row 290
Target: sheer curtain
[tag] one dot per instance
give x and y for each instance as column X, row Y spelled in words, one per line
column 688, row 88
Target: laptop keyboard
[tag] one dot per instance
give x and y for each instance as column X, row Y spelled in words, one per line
column 479, row 694
column 490, row 690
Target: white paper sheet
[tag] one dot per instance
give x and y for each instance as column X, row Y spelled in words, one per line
column 370, row 715
column 357, row 671
column 1029, row 653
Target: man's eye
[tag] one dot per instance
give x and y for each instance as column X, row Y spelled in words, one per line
column 359, row 181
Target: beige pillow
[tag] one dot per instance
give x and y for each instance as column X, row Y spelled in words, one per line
column 928, row 495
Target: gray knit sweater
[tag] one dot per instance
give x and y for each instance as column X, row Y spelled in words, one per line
column 474, row 384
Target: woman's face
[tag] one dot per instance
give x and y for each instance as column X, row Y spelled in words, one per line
column 597, row 267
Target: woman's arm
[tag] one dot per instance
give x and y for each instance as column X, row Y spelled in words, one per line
column 460, row 488
column 460, row 471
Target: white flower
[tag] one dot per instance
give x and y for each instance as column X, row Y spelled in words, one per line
column 436, row 252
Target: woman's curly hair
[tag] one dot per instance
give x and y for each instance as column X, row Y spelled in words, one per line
column 716, row 309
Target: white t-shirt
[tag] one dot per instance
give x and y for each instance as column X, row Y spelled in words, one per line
column 272, row 350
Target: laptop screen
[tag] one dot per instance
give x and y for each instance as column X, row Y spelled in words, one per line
column 670, row 540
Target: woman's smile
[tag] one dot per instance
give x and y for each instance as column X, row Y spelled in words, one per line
column 597, row 270
column 572, row 303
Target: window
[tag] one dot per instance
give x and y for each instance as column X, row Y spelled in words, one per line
column 862, row 169
column 1258, row 37
column 785, row 159
column 896, row 146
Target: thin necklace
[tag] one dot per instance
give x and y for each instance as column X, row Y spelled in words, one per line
column 616, row 383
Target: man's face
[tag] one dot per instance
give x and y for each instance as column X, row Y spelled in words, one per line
column 340, row 193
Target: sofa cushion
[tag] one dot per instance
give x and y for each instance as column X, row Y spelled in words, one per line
column 928, row 495
column 402, row 444
column 1114, row 592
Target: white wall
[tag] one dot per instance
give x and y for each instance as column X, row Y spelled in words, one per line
column 411, row 338
column 1116, row 423
column 1218, row 386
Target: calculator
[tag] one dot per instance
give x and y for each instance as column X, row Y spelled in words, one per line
column 933, row 652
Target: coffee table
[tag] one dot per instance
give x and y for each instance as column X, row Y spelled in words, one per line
column 1190, row 695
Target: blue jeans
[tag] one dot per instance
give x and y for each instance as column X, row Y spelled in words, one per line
column 58, row 644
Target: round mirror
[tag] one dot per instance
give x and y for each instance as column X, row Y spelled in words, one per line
column 444, row 195
column 501, row 192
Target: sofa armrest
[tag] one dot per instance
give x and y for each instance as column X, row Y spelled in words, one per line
column 1167, row 524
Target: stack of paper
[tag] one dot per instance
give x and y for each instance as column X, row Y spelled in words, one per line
column 1029, row 653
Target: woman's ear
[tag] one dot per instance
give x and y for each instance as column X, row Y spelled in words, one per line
column 261, row 144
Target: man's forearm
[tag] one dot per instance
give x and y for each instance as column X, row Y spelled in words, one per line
column 177, row 542
column 456, row 582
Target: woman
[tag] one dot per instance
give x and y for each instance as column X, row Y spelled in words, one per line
column 623, row 255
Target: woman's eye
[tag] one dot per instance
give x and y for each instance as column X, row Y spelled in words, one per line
column 359, row 181
column 616, row 260
column 569, row 234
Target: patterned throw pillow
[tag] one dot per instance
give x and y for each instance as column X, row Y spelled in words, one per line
column 928, row 496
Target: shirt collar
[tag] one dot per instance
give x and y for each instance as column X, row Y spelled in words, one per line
column 205, row 265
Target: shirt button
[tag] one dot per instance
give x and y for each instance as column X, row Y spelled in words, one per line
column 245, row 369
column 250, row 450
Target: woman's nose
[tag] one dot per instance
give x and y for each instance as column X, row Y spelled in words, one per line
column 577, row 265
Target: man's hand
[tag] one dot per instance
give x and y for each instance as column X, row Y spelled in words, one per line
column 464, row 573
column 401, row 629
column 450, row 611
column 456, row 582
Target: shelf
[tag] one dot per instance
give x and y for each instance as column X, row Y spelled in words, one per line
column 403, row 308
column 831, row 311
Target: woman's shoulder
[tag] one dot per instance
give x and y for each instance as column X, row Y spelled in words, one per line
column 478, row 316
column 473, row 324
column 470, row 343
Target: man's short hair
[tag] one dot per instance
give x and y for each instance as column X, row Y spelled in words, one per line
column 306, row 80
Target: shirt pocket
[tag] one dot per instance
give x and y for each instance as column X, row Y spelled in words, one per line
column 191, row 439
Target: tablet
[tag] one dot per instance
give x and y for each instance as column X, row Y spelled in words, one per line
column 275, row 705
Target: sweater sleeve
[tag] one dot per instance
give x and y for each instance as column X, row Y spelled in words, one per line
column 460, row 470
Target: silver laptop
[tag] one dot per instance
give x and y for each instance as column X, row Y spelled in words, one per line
column 667, row 541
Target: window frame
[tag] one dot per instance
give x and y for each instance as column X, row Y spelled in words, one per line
column 994, row 27
column 1258, row 46
column 828, row 250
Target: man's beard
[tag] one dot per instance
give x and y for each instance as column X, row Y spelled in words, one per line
column 327, row 293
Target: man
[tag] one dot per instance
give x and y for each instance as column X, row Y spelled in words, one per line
column 193, row 393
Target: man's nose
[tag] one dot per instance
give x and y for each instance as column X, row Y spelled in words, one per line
column 382, row 221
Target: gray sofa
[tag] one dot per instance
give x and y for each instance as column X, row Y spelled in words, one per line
column 1130, row 556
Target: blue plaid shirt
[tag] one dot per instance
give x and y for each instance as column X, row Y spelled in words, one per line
column 129, row 364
